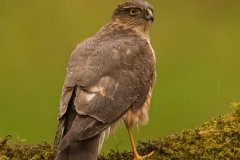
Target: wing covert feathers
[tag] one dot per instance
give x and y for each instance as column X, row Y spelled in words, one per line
column 108, row 79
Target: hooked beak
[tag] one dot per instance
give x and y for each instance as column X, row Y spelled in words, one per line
column 149, row 15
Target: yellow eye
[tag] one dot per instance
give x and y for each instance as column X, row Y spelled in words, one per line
column 134, row 11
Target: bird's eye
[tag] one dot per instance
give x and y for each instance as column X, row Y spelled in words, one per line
column 134, row 11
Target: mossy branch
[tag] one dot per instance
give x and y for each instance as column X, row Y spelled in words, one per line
column 218, row 138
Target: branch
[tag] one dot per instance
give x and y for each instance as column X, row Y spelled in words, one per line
column 216, row 139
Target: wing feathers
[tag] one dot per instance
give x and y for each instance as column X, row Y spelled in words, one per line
column 83, row 127
column 107, row 79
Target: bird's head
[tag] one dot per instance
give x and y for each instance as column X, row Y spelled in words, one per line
column 135, row 14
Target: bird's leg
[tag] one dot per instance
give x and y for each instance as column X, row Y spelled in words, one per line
column 135, row 153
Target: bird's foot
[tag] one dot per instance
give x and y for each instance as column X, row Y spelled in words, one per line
column 137, row 157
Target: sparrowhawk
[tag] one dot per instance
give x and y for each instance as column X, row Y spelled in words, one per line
column 109, row 79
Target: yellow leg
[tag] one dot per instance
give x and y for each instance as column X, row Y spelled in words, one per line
column 136, row 156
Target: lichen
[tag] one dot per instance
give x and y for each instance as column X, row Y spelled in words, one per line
column 216, row 139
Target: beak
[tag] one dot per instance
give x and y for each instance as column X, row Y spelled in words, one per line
column 149, row 15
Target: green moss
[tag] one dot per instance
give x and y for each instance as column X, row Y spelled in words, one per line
column 215, row 140
column 19, row 151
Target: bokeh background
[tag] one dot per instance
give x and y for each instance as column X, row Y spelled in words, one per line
column 197, row 45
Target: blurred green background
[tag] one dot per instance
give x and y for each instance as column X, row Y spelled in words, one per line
column 197, row 46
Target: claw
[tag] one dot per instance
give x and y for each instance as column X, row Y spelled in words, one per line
column 137, row 157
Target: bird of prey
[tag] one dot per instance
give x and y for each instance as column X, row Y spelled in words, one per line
column 109, row 79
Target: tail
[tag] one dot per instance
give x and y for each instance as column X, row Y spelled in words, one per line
column 81, row 150
column 67, row 145
column 58, row 136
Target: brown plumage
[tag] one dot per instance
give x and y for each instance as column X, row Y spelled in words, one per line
column 109, row 79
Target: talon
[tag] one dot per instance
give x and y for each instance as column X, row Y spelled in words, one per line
column 137, row 157
column 150, row 154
